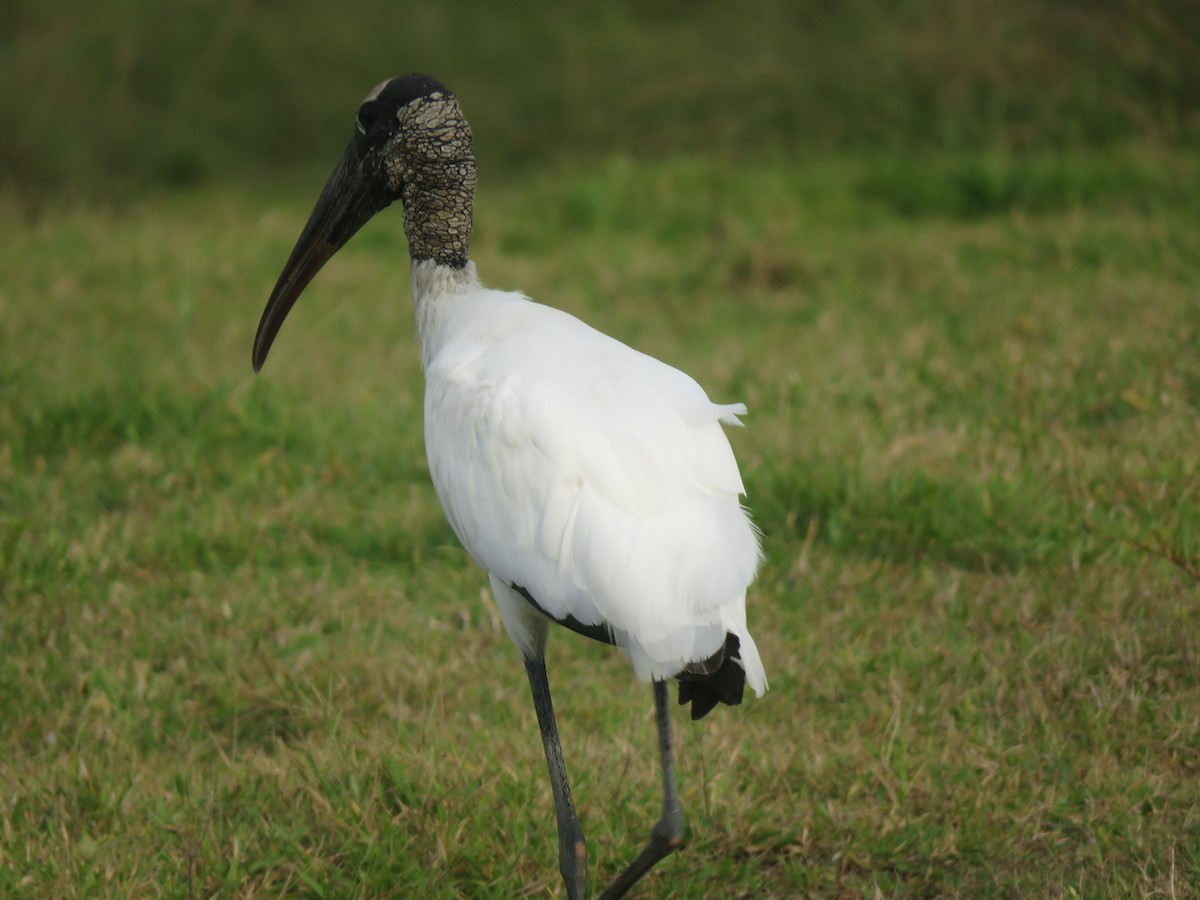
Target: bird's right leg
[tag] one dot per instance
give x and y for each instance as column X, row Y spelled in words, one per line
column 572, row 849
column 667, row 835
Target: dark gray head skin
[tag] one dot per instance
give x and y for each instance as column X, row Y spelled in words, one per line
column 410, row 143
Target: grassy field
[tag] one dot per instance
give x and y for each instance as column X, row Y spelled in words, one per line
column 244, row 656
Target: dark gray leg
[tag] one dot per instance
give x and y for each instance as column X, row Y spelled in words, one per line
column 572, row 849
column 667, row 835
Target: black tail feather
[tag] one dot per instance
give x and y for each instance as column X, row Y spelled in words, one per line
column 704, row 684
column 718, row 679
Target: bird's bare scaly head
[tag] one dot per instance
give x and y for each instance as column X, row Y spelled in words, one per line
column 410, row 143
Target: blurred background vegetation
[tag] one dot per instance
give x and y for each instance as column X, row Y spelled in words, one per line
column 99, row 100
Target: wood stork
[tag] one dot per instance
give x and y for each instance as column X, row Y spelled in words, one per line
column 593, row 483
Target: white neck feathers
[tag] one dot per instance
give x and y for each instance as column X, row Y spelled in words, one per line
column 434, row 288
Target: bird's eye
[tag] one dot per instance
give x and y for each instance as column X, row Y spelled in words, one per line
column 367, row 114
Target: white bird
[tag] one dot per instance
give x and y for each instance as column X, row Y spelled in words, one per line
column 593, row 483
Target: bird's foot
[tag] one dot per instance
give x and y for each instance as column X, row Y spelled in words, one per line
column 665, row 838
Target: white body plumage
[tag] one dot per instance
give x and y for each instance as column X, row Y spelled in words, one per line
column 593, row 476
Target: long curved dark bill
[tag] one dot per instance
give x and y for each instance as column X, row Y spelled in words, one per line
column 345, row 205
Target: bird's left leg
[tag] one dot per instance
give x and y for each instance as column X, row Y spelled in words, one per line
column 572, row 849
column 667, row 835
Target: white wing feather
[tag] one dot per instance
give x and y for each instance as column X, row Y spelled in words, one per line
column 595, row 477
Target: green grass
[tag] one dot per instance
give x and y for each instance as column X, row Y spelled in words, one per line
column 243, row 655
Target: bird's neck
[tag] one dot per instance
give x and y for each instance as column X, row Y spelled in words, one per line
column 439, row 185
column 437, row 221
column 436, row 287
